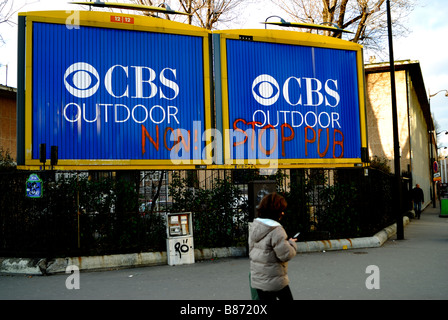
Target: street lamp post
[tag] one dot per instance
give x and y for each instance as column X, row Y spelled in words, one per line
column 432, row 95
column 323, row 26
column 400, row 228
column 431, row 148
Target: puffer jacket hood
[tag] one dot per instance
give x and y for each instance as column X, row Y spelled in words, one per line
column 269, row 251
column 262, row 227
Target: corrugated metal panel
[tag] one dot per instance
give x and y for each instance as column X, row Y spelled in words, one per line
column 309, row 94
column 155, row 86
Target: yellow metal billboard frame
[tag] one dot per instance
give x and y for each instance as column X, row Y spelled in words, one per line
column 109, row 20
column 149, row 24
column 290, row 38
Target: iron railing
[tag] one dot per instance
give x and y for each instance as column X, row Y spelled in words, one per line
column 109, row 213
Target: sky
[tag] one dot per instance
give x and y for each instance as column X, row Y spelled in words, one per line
column 425, row 43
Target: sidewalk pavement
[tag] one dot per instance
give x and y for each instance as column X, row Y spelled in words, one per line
column 413, row 268
column 43, row 266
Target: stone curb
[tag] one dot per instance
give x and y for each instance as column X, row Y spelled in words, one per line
column 355, row 243
column 95, row 263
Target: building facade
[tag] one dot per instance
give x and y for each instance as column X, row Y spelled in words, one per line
column 8, row 119
column 415, row 125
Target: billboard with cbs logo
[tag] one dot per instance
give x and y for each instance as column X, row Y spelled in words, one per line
column 291, row 97
column 115, row 90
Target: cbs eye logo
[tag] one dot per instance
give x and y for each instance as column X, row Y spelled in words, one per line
column 81, row 80
column 265, row 90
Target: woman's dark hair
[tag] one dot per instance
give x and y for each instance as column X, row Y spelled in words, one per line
column 271, row 206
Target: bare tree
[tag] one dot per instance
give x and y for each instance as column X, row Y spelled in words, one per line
column 209, row 12
column 152, row 4
column 367, row 19
column 202, row 13
column 7, row 11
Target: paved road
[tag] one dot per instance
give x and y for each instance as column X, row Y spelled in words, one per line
column 414, row 268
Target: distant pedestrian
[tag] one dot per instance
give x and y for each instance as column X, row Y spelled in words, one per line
column 418, row 198
column 270, row 250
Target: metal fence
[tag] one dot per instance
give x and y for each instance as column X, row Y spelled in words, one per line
column 99, row 213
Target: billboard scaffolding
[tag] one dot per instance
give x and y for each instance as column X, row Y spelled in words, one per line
column 114, row 91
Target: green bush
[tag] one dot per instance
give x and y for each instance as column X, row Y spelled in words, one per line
column 219, row 213
column 6, row 161
column 336, row 204
column 340, row 216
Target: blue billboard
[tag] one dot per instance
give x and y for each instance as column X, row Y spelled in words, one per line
column 117, row 94
column 134, row 92
column 296, row 103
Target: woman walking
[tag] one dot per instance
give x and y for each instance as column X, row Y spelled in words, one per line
column 270, row 250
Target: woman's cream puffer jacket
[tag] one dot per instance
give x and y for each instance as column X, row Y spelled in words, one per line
column 269, row 253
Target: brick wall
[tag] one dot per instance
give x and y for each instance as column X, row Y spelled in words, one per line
column 8, row 116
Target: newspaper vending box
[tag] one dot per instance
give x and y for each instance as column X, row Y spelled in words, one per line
column 179, row 243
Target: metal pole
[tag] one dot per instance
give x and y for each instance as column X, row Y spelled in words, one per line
column 433, row 158
column 79, row 212
column 399, row 213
